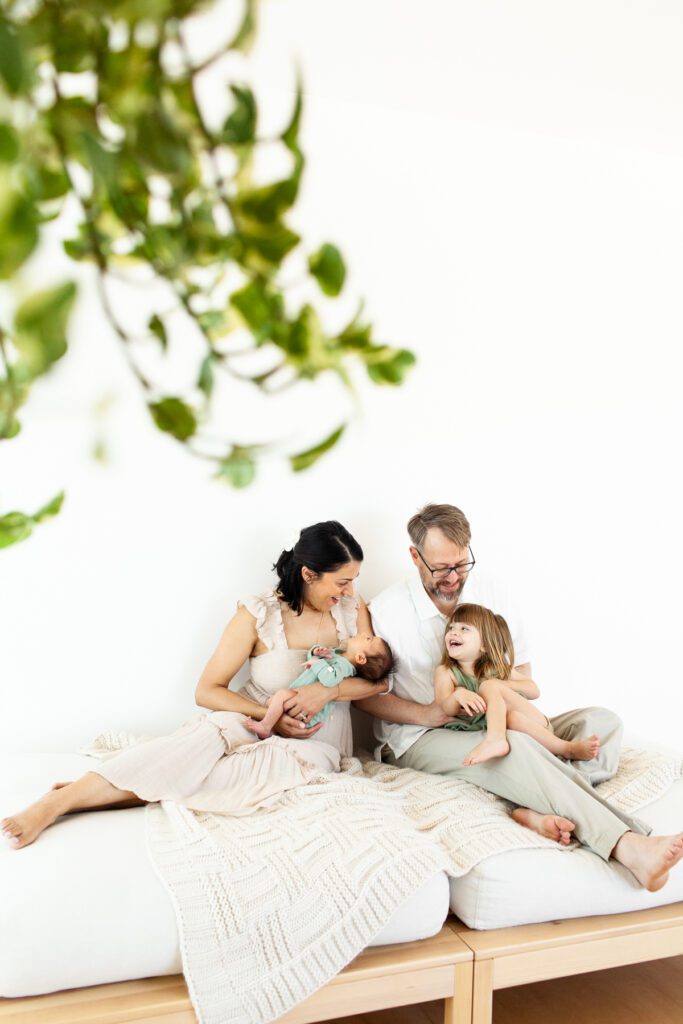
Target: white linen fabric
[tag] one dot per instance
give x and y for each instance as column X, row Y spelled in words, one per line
column 271, row 906
column 84, row 905
column 530, row 886
column 407, row 617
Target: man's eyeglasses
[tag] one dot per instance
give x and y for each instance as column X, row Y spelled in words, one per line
column 442, row 574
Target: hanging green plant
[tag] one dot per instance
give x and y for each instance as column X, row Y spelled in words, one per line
column 129, row 138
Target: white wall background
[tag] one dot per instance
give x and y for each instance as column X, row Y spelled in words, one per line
column 506, row 182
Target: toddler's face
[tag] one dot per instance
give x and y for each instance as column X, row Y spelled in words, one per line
column 463, row 642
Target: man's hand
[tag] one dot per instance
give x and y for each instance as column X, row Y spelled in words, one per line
column 432, row 715
column 471, row 703
column 293, row 729
column 307, row 701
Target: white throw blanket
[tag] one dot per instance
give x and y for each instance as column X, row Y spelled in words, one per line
column 270, row 907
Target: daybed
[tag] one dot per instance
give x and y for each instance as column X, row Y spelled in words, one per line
column 98, row 914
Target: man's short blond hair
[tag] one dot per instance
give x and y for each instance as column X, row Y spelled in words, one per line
column 447, row 518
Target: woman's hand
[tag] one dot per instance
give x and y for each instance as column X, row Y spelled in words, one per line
column 294, row 729
column 471, row 703
column 308, row 701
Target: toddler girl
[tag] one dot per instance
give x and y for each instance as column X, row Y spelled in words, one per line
column 474, row 683
column 364, row 655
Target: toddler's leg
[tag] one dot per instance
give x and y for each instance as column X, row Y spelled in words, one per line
column 574, row 750
column 495, row 743
column 264, row 728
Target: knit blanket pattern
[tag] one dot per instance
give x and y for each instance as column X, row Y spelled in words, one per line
column 270, row 907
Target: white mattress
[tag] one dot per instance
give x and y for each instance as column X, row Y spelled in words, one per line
column 528, row 886
column 83, row 905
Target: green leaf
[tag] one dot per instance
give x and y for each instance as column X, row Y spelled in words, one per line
column 14, row 527
column 156, row 326
column 9, row 144
column 240, row 126
column 205, row 378
column 260, row 306
column 18, row 228
column 305, row 459
column 51, row 509
column 290, row 135
column 327, row 267
column 175, row 417
column 17, row 526
column 40, row 325
column 246, row 33
column 270, row 245
column 268, row 203
column 356, row 335
column 239, row 469
column 12, row 66
column 389, row 365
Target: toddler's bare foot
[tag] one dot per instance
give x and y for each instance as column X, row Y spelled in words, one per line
column 649, row 858
column 59, row 785
column 552, row 826
column 24, row 828
column 257, row 728
column 583, row 750
column 487, row 750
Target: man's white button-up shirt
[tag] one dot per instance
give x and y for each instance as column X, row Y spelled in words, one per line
column 407, row 618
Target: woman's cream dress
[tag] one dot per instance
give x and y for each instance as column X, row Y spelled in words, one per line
column 212, row 763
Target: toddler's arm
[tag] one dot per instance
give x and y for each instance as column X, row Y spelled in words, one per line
column 455, row 700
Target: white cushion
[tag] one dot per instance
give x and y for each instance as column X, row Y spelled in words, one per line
column 528, row 886
column 83, row 905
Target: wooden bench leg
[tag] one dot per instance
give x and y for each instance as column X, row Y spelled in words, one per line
column 458, row 1009
column 482, row 992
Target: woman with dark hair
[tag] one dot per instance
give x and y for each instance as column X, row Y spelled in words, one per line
column 214, row 763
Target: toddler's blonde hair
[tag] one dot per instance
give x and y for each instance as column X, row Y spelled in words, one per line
column 498, row 654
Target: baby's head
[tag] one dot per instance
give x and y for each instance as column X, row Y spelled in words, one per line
column 479, row 637
column 371, row 656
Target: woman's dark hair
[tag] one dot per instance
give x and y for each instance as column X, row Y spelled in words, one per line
column 323, row 547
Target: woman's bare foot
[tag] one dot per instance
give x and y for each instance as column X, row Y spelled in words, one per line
column 552, row 826
column 487, row 750
column 257, row 728
column 24, row 828
column 582, row 750
column 649, row 858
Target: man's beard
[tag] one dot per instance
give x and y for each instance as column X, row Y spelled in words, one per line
column 448, row 596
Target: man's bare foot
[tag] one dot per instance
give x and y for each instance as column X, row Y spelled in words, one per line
column 257, row 728
column 552, row 826
column 649, row 858
column 487, row 750
column 583, row 750
column 24, row 828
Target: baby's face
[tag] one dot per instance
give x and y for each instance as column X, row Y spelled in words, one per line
column 365, row 644
column 463, row 642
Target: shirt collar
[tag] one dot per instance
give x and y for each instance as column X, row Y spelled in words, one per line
column 424, row 606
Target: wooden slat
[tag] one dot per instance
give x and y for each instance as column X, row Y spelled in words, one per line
column 583, row 957
column 525, row 938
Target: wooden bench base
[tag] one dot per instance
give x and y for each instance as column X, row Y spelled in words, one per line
column 518, row 956
column 461, row 966
column 382, row 976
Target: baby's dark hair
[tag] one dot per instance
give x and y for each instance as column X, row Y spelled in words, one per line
column 378, row 666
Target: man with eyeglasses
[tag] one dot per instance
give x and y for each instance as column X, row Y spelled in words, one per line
column 411, row 616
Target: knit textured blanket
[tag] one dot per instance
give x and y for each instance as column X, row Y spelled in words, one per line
column 270, row 907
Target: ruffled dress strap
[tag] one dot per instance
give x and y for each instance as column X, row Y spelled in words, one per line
column 345, row 615
column 269, row 626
